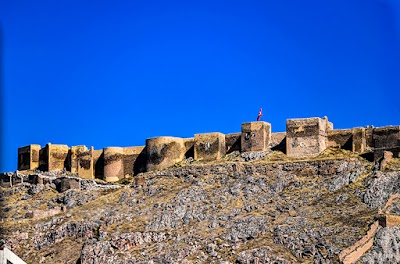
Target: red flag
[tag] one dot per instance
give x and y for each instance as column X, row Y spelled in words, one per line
column 259, row 114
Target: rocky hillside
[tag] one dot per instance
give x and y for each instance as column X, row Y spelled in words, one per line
column 248, row 208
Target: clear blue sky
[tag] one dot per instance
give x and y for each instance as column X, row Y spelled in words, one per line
column 113, row 73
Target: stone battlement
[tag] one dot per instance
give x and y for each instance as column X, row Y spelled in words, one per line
column 304, row 137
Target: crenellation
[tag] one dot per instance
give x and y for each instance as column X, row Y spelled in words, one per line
column 304, row 137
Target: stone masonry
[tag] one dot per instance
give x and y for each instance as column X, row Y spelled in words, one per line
column 304, row 137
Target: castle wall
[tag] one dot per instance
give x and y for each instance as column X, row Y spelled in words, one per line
column 359, row 140
column 232, row 142
column 386, row 138
column 85, row 164
column 98, row 164
column 74, row 153
column 113, row 164
column 130, row 156
column 278, row 141
column 57, row 156
column 256, row 136
column 189, row 146
column 209, row 146
column 28, row 157
column 163, row 152
column 306, row 137
column 369, row 140
column 341, row 138
column 44, row 159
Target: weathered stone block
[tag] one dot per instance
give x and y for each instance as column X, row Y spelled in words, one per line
column 209, row 146
column 113, row 164
column 359, row 140
column 256, row 136
column 63, row 184
column 57, row 155
column 28, row 157
column 163, row 152
column 306, row 137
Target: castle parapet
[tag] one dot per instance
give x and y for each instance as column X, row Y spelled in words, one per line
column 306, row 137
column 256, row 136
column 163, row 152
column 209, row 146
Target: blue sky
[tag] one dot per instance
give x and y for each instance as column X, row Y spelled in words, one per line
column 113, row 73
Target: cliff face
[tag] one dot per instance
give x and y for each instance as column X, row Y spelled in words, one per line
column 261, row 210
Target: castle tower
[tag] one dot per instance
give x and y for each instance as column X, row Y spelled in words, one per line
column 209, row 146
column 256, row 136
column 113, row 164
column 306, row 137
column 57, row 156
column 28, row 157
column 85, row 163
column 163, row 152
column 75, row 151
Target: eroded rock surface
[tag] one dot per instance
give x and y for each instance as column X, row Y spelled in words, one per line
column 226, row 212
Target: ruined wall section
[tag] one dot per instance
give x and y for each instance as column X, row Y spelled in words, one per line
column 189, row 146
column 28, row 157
column 233, row 142
column 340, row 138
column 278, row 141
column 386, row 138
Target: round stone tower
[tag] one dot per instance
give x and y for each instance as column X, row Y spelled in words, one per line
column 113, row 163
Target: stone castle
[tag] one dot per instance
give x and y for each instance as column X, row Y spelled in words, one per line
column 304, row 137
